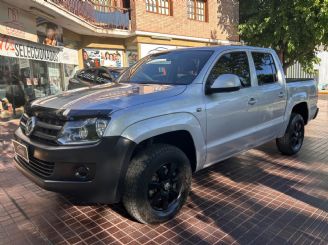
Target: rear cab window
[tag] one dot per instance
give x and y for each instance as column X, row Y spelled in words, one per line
column 266, row 70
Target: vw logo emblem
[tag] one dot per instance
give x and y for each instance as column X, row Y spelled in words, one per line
column 30, row 125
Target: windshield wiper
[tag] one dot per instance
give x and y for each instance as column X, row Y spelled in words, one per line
column 142, row 82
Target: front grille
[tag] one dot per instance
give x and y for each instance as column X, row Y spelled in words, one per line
column 37, row 167
column 46, row 128
column 23, row 121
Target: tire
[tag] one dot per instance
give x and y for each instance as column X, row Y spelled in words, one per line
column 292, row 141
column 157, row 184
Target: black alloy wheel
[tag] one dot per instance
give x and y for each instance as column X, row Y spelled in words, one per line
column 292, row 141
column 164, row 189
column 157, row 183
column 297, row 135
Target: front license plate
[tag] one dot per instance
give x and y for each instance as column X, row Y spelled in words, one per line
column 20, row 150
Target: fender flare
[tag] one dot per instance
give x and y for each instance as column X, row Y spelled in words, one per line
column 291, row 103
column 155, row 126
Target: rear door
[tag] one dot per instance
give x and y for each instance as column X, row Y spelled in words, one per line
column 271, row 95
column 231, row 116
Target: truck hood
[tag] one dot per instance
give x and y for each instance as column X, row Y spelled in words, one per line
column 108, row 97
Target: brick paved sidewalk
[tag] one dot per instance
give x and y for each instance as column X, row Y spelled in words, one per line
column 257, row 197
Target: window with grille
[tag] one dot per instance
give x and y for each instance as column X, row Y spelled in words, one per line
column 197, row 10
column 159, row 6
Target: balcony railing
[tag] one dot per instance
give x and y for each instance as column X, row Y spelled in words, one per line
column 100, row 15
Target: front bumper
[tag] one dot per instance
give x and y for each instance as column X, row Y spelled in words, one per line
column 106, row 162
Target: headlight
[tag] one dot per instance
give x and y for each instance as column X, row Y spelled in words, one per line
column 82, row 131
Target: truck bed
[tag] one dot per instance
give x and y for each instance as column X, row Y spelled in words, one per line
column 298, row 88
column 292, row 80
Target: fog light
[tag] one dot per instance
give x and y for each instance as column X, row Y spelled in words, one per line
column 82, row 172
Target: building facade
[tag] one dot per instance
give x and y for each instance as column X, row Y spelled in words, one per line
column 43, row 43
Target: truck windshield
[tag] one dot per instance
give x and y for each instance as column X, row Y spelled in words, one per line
column 179, row 67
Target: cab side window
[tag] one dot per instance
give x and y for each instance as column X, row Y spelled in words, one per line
column 232, row 63
column 266, row 70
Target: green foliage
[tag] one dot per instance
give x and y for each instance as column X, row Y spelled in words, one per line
column 294, row 28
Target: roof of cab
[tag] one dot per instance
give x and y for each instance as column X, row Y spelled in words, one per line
column 223, row 48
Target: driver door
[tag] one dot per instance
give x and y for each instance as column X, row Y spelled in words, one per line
column 231, row 116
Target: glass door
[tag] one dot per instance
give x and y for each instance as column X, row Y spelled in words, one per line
column 40, row 78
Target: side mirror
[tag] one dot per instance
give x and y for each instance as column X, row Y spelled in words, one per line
column 224, row 83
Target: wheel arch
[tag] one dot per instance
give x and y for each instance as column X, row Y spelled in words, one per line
column 182, row 130
column 295, row 105
column 181, row 139
column 302, row 109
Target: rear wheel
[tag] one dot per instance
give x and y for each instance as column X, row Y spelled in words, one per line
column 157, row 184
column 292, row 141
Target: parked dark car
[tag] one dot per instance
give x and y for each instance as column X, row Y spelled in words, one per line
column 94, row 76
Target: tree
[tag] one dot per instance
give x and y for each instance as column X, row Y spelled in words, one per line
column 294, row 28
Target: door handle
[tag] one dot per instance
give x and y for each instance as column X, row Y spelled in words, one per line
column 252, row 101
column 281, row 94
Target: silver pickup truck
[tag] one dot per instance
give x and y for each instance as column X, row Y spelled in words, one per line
column 139, row 140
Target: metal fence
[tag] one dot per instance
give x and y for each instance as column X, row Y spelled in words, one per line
column 100, row 15
column 296, row 71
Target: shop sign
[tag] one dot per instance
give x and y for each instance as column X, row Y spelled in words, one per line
column 17, row 23
column 53, row 72
column 24, row 63
column 69, row 56
column 12, row 47
column 102, row 57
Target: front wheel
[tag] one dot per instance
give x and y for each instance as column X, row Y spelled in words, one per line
column 292, row 141
column 157, row 183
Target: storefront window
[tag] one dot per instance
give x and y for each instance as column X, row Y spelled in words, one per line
column 22, row 80
column 54, row 78
column 40, row 78
column 11, row 87
column 69, row 72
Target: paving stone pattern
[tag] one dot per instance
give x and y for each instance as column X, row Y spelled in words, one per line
column 258, row 197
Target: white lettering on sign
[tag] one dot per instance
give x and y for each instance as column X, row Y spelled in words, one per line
column 20, row 49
